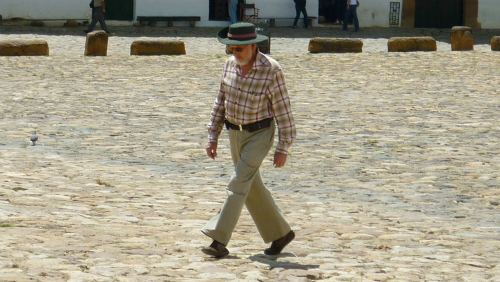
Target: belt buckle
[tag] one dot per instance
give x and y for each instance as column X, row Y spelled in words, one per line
column 241, row 127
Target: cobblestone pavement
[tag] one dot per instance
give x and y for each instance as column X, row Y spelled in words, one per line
column 394, row 176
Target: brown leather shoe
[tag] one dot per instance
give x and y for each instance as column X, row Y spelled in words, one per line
column 216, row 250
column 278, row 245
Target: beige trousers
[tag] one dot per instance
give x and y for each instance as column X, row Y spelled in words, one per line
column 248, row 150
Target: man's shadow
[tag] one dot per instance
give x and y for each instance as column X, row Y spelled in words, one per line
column 273, row 262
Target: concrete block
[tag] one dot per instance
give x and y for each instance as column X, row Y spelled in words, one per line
column 462, row 39
column 96, row 43
column 157, row 47
column 265, row 46
column 24, row 48
column 495, row 43
column 335, row 45
column 71, row 23
column 37, row 23
column 411, row 44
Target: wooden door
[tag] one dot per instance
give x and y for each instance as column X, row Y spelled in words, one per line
column 218, row 10
column 438, row 13
column 120, row 10
column 452, row 15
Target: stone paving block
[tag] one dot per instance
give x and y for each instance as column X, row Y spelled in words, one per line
column 335, row 45
column 157, row 47
column 392, row 146
column 411, row 44
column 462, row 39
column 24, row 48
column 96, row 43
column 495, row 43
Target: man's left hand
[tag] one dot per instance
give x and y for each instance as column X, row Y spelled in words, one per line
column 279, row 159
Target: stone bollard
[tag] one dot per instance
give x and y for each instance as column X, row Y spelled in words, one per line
column 495, row 43
column 157, row 47
column 335, row 45
column 24, row 48
column 461, row 38
column 37, row 23
column 265, row 46
column 71, row 23
column 96, row 44
column 411, row 44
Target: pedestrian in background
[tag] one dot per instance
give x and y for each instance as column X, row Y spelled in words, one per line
column 351, row 14
column 252, row 97
column 300, row 7
column 340, row 8
column 98, row 15
column 232, row 6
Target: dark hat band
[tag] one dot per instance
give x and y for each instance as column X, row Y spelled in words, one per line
column 241, row 33
column 244, row 36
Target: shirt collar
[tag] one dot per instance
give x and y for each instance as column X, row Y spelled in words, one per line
column 260, row 61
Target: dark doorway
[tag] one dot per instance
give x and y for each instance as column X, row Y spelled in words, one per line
column 217, row 10
column 332, row 11
column 439, row 13
column 120, row 10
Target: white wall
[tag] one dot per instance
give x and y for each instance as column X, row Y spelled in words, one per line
column 489, row 13
column 370, row 12
column 177, row 8
column 45, row 9
column 172, row 8
column 267, row 8
column 283, row 8
column 374, row 13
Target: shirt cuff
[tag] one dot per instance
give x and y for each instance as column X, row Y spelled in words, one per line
column 283, row 147
column 212, row 139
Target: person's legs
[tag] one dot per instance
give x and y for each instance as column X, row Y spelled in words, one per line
column 101, row 19
column 93, row 22
column 297, row 14
column 355, row 18
column 304, row 12
column 342, row 9
column 347, row 18
column 233, row 11
column 251, row 148
column 265, row 213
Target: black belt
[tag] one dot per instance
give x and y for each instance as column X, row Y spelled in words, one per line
column 250, row 127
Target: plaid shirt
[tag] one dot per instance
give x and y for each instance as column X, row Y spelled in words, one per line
column 259, row 95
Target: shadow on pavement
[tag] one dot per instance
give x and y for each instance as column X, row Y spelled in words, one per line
column 273, row 262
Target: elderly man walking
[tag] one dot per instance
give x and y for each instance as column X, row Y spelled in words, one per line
column 252, row 97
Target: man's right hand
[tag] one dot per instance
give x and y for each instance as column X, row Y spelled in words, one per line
column 211, row 150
